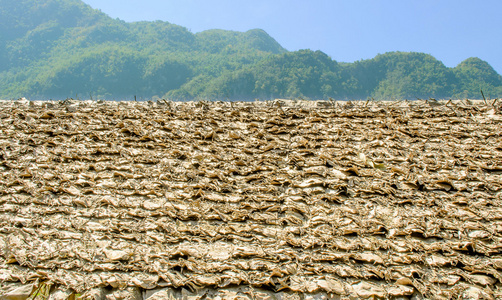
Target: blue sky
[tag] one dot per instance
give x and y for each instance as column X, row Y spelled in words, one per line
column 350, row 30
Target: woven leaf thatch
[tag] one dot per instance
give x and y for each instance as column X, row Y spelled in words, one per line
column 126, row 200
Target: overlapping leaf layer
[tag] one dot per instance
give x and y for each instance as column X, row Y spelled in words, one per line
column 321, row 199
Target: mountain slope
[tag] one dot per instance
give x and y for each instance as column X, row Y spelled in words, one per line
column 31, row 27
column 309, row 74
column 64, row 48
column 474, row 74
column 303, row 73
column 404, row 75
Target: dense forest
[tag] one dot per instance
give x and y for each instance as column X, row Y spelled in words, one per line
column 64, row 48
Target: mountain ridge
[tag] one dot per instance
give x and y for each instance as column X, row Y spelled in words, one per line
column 65, row 48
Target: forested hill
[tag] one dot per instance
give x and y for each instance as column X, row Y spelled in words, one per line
column 64, row 48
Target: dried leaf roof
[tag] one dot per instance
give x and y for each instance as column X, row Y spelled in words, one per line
column 253, row 200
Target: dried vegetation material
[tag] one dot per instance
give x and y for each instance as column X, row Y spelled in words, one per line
column 125, row 200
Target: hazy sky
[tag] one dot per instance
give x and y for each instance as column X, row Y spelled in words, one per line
column 348, row 30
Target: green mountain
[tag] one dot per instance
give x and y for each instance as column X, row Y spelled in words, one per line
column 65, row 48
column 475, row 74
column 403, row 75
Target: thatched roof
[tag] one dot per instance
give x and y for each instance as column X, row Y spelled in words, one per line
column 126, row 200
